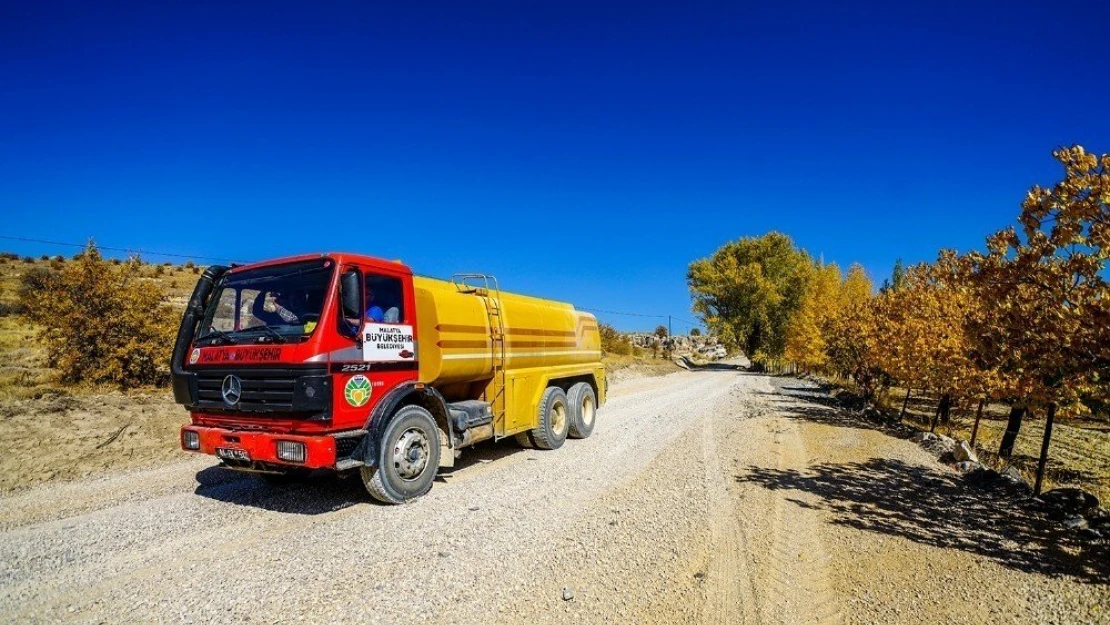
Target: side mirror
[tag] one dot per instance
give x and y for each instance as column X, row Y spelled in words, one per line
column 350, row 300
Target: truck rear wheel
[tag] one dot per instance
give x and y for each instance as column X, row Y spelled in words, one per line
column 408, row 458
column 583, row 410
column 554, row 419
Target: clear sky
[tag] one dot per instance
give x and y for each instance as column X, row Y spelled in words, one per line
column 585, row 152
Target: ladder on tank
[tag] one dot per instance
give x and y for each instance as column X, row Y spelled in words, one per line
column 495, row 396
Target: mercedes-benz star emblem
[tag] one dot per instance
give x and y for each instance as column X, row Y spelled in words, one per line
column 232, row 390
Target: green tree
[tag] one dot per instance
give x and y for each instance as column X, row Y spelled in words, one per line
column 747, row 291
column 695, row 332
column 897, row 278
column 661, row 331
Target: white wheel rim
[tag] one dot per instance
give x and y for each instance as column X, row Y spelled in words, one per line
column 558, row 417
column 587, row 411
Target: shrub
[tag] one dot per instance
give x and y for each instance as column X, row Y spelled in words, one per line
column 28, row 259
column 189, row 264
column 159, row 271
column 35, row 281
column 44, row 257
column 9, row 256
column 613, row 342
column 196, row 269
column 101, row 323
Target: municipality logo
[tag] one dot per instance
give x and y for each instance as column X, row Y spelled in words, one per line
column 357, row 391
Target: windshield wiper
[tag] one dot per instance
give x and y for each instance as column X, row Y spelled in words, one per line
column 278, row 336
column 214, row 333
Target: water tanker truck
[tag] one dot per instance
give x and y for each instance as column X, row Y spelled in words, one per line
column 349, row 363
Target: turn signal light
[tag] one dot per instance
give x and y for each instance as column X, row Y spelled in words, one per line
column 190, row 440
column 291, row 451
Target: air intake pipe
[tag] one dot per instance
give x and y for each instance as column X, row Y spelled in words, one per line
column 193, row 313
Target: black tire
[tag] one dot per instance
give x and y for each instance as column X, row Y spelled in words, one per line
column 408, row 458
column 554, row 420
column 583, row 410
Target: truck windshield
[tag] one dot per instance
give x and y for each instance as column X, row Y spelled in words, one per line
column 280, row 304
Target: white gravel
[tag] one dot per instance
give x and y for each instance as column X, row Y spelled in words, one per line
column 652, row 519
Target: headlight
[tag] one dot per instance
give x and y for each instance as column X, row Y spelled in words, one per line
column 291, row 451
column 190, row 440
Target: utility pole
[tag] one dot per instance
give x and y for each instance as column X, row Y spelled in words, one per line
column 669, row 332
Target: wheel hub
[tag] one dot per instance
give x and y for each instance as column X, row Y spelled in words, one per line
column 410, row 454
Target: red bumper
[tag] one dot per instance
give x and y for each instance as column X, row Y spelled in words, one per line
column 262, row 446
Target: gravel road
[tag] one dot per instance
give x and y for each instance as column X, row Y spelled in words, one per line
column 708, row 496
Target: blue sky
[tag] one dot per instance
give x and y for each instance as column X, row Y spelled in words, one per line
column 585, row 152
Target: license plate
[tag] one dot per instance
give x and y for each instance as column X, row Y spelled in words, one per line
column 232, row 454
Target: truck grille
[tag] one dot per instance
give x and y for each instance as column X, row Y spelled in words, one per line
column 263, row 390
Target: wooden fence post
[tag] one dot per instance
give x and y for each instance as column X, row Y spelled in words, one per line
column 978, row 415
column 1044, row 447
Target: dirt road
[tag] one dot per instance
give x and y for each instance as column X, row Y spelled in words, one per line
column 709, row 496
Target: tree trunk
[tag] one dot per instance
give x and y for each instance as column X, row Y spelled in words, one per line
column 1044, row 448
column 945, row 409
column 1013, row 426
column 978, row 415
column 905, row 401
column 941, row 415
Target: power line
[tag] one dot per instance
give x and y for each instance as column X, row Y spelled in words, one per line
column 627, row 314
column 115, row 249
column 194, row 256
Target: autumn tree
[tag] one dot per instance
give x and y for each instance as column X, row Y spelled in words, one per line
column 806, row 332
column 923, row 327
column 852, row 336
column 1050, row 328
column 747, row 291
column 102, row 323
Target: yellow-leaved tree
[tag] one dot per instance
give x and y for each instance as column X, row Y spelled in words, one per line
column 102, row 323
column 820, row 304
column 852, row 336
column 1048, row 328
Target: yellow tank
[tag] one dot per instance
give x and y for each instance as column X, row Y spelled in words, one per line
column 457, row 332
column 509, row 347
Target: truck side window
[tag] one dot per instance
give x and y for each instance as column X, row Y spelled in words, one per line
column 385, row 300
column 349, row 315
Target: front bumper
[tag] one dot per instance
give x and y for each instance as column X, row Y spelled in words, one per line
column 261, row 447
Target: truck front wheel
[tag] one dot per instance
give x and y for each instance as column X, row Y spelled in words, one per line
column 408, row 457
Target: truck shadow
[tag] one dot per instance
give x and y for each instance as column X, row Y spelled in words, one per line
column 480, row 454
column 314, row 494
column 325, row 492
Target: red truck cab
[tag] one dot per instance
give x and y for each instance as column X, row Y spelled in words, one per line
column 269, row 361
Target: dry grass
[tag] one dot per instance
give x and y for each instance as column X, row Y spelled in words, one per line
column 52, row 430
column 1079, row 454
